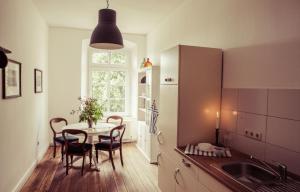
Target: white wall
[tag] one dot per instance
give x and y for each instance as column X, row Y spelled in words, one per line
column 260, row 38
column 65, row 50
column 64, row 70
column 23, row 120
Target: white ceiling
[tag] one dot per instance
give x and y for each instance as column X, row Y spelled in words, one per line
column 133, row 16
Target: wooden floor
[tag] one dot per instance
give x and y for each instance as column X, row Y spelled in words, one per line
column 136, row 175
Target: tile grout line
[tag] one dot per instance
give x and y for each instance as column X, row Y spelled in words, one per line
column 266, row 127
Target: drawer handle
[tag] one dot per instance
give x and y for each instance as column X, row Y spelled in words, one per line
column 158, row 138
column 186, row 163
column 175, row 175
column 157, row 158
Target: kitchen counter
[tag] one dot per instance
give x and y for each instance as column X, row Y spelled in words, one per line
column 210, row 164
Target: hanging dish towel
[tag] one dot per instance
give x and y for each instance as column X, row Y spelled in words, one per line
column 153, row 120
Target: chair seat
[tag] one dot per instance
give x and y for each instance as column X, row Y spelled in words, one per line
column 61, row 139
column 79, row 148
column 105, row 145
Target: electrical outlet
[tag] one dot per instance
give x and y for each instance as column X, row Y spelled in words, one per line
column 253, row 135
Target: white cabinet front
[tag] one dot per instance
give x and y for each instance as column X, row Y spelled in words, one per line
column 169, row 66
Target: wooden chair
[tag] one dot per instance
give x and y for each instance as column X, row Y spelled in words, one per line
column 60, row 139
column 117, row 133
column 113, row 144
column 77, row 149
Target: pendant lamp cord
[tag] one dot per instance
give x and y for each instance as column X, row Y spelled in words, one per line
column 107, row 3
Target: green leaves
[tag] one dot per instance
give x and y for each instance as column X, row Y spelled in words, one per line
column 109, row 88
column 89, row 109
column 113, row 58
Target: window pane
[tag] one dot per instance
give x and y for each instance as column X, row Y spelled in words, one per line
column 117, row 105
column 100, row 58
column 105, row 105
column 100, row 77
column 109, row 88
column 99, row 92
column 117, row 78
column 118, row 58
column 99, row 85
column 117, row 92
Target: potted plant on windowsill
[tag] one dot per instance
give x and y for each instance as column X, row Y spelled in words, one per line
column 89, row 110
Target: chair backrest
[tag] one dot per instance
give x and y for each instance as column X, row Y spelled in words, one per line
column 74, row 132
column 115, row 118
column 121, row 130
column 57, row 120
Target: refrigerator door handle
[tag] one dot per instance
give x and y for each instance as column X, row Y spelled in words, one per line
column 158, row 138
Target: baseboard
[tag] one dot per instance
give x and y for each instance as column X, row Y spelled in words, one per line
column 143, row 152
column 25, row 177
column 128, row 141
column 42, row 154
column 29, row 171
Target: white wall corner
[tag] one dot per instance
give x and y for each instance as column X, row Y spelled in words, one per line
column 30, row 170
column 42, row 153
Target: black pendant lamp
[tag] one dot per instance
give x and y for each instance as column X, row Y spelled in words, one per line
column 107, row 35
column 3, row 57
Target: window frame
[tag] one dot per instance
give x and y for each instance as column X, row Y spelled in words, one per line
column 111, row 67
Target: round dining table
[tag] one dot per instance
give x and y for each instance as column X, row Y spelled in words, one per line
column 98, row 129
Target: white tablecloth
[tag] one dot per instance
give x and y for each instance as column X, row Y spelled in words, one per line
column 100, row 128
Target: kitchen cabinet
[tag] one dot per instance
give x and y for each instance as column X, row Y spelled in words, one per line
column 190, row 100
column 169, row 69
column 186, row 178
column 199, row 96
column 166, row 171
column 211, row 183
column 190, row 92
column 186, row 183
column 167, row 121
column 180, row 175
column 191, row 178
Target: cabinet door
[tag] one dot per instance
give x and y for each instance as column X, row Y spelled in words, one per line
column 211, row 183
column 139, row 136
column 167, row 119
column 186, row 182
column 141, row 142
column 169, row 66
column 166, row 169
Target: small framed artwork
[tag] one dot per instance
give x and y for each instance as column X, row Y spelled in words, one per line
column 11, row 80
column 38, row 81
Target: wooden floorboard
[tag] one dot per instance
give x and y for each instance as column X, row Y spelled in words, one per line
column 137, row 175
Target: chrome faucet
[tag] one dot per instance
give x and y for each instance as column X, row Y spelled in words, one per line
column 282, row 169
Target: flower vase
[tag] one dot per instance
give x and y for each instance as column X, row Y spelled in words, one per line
column 90, row 123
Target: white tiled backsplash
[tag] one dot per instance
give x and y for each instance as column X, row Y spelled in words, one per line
column 274, row 114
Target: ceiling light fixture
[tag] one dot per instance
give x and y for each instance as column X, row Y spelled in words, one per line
column 3, row 57
column 107, row 35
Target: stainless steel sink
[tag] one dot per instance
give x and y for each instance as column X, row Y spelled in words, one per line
column 247, row 172
column 256, row 177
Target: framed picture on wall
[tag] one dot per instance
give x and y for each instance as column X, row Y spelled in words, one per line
column 11, row 80
column 38, row 81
